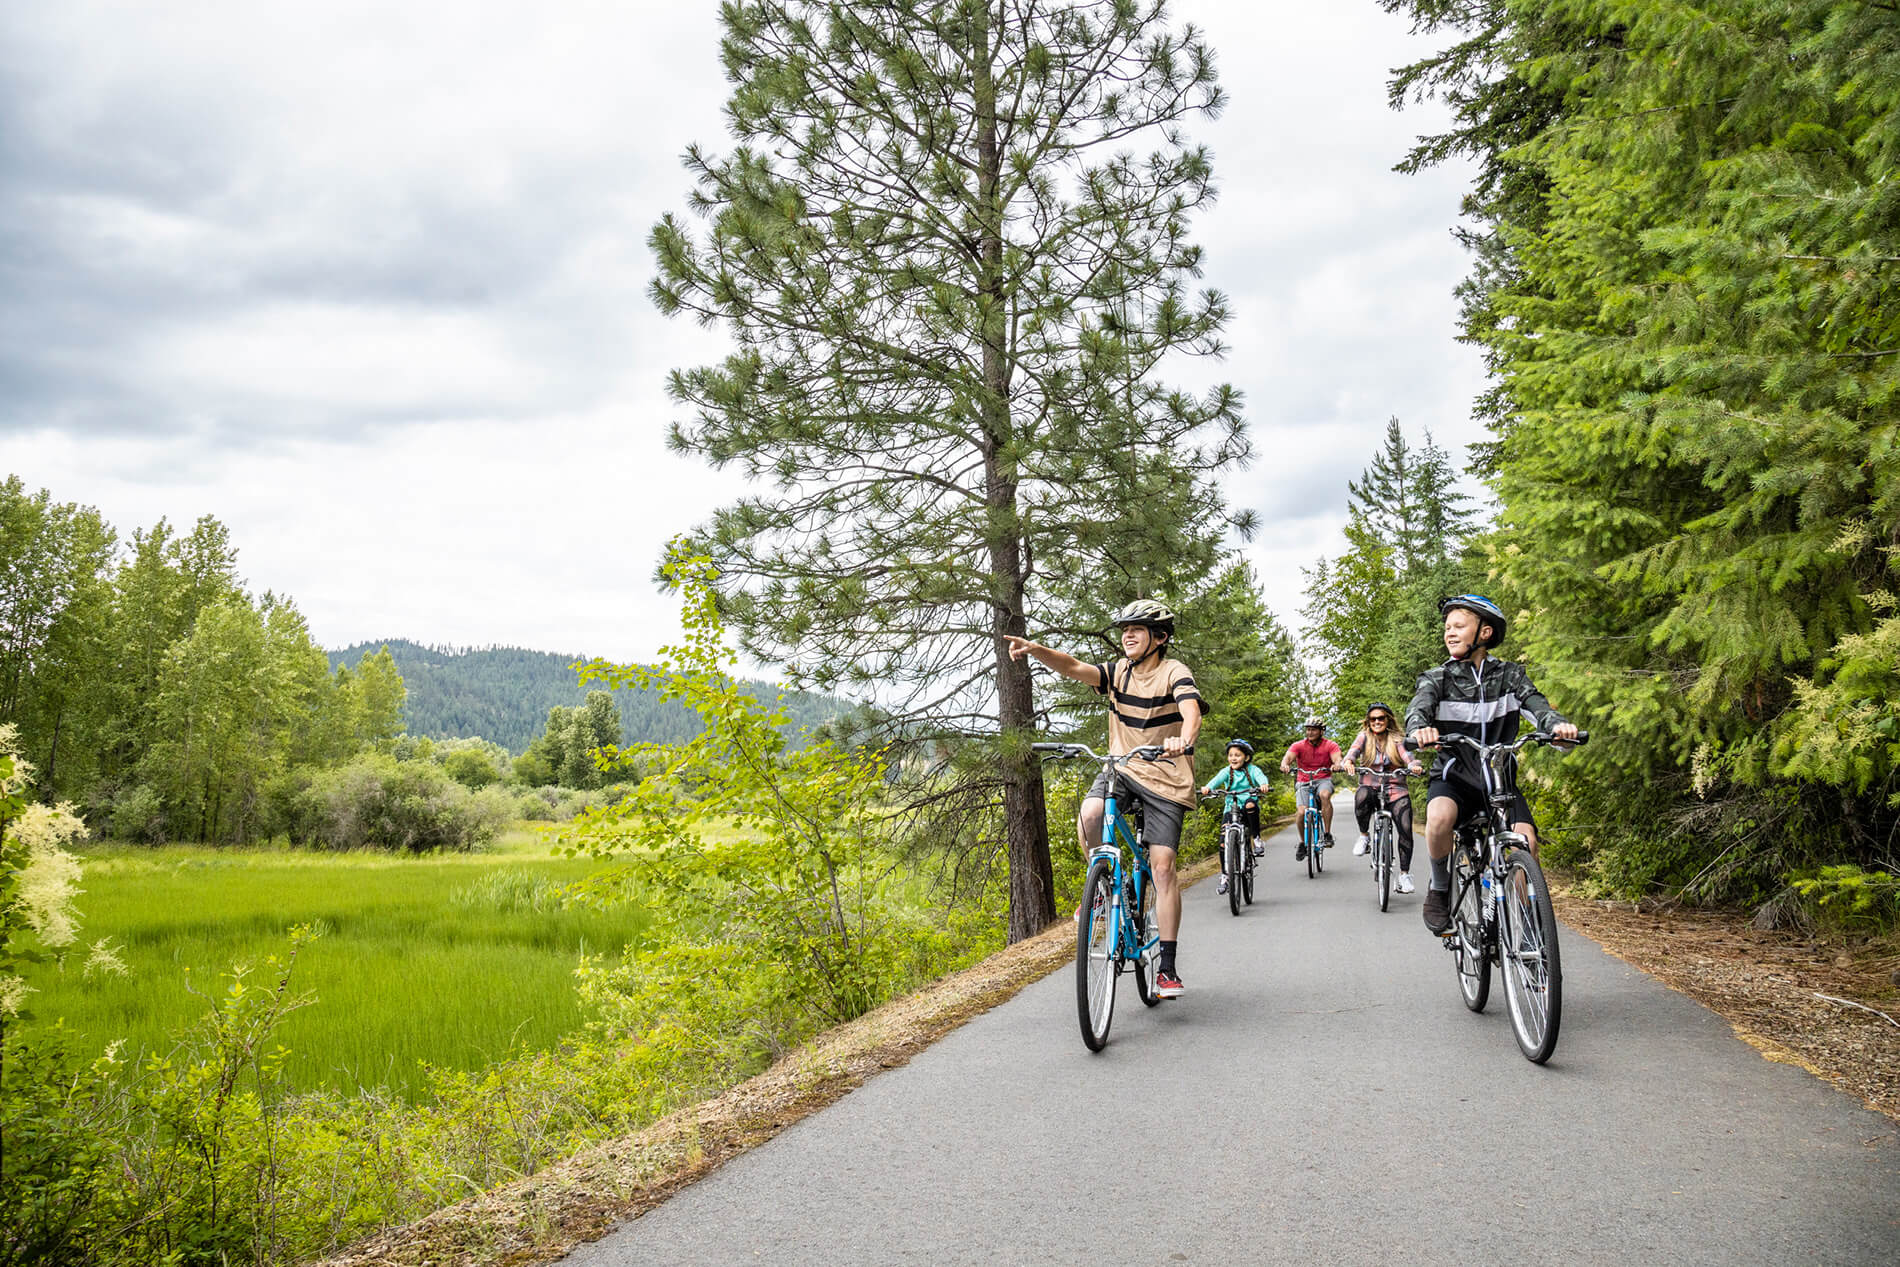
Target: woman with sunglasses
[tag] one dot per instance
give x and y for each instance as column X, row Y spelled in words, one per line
column 1380, row 749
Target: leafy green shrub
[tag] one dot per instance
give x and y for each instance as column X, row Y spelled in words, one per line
column 138, row 816
column 1852, row 900
column 58, row 1117
column 379, row 802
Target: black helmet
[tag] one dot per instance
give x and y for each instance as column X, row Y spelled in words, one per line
column 1241, row 744
column 1481, row 607
column 1152, row 612
column 1380, row 706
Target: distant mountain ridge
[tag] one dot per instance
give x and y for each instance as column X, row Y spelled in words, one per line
column 504, row 693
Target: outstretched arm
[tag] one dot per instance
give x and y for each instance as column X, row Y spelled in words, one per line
column 1060, row 661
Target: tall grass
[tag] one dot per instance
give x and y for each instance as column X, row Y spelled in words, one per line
column 456, row 960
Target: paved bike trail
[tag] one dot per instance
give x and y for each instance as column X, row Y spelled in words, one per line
column 1321, row 1095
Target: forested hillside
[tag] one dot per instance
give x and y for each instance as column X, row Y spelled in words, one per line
column 504, row 694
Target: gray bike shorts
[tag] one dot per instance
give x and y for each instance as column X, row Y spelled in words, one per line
column 1301, row 791
column 1160, row 817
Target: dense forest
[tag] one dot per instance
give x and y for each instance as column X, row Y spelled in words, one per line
column 504, row 693
column 1685, row 228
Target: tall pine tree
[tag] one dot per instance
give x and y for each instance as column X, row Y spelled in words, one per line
column 950, row 278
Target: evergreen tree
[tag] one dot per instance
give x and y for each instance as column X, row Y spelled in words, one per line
column 1697, row 355
column 950, row 282
column 1371, row 612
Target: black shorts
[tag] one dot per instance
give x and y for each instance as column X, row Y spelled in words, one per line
column 1473, row 802
column 1160, row 817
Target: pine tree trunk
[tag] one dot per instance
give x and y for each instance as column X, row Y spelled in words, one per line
column 1025, row 820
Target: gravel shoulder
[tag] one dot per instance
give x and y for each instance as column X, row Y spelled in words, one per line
column 1769, row 986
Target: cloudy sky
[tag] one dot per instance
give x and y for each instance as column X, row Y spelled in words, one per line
column 365, row 279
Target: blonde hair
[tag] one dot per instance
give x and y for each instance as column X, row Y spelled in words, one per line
column 1392, row 742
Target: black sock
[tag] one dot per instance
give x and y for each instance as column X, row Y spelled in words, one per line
column 1167, row 957
column 1441, row 874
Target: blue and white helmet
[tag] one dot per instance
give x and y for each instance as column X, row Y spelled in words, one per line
column 1481, row 607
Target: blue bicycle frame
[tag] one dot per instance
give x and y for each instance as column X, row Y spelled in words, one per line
column 1116, row 929
column 1312, row 826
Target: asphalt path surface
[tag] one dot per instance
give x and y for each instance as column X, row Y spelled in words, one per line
column 1319, row 1095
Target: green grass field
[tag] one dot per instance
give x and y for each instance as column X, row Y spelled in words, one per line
column 455, row 960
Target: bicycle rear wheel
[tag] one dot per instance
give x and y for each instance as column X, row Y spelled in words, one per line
column 1467, row 932
column 1095, row 953
column 1382, row 861
column 1230, row 849
column 1533, row 972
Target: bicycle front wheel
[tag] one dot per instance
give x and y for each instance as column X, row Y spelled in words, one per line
column 1246, row 878
column 1467, row 932
column 1533, row 973
column 1095, row 953
column 1230, row 862
column 1382, row 861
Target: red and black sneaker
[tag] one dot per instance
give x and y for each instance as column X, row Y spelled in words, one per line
column 1168, row 986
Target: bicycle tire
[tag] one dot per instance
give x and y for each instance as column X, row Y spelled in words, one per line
column 1230, row 864
column 1310, row 834
column 1247, row 878
column 1318, row 852
column 1533, row 968
column 1095, row 965
column 1144, row 962
column 1382, row 861
column 1467, row 929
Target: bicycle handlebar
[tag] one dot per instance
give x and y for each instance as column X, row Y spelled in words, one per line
column 1486, row 749
column 1147, row 752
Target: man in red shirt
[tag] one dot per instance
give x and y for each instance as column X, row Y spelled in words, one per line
column 1316, row 757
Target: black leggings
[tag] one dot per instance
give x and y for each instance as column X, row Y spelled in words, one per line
column 1366, row 799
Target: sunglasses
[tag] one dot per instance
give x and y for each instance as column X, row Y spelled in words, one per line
column 1379, row 717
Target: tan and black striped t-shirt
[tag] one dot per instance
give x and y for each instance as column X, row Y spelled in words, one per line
column 1144, row 707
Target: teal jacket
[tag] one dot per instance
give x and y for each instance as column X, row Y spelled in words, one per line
column 1238, row 784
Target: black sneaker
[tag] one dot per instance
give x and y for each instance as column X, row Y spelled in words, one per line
column 1438, row 911
column 1326, row 841
column 1299, row 852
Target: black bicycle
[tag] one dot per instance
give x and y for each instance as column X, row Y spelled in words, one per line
column 1236, row 852
column 1385, row 835
column 1500, row 908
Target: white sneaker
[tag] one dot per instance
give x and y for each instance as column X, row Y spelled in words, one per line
column 1405, row 883
column 1222, row 886
column 1363, row 847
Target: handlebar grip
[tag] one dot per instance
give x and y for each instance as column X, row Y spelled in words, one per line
column 1047, row 747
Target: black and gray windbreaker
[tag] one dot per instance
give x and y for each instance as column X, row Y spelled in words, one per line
column 1480, row 702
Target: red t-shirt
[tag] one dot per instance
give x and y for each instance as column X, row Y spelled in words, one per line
column 1312, row 761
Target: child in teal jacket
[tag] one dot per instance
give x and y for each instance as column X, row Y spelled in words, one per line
column 1243, row 782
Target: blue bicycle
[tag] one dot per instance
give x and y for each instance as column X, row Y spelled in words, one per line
column 1312, row 826
column 1115, row 925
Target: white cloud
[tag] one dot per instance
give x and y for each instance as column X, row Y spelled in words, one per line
column 367, row 282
